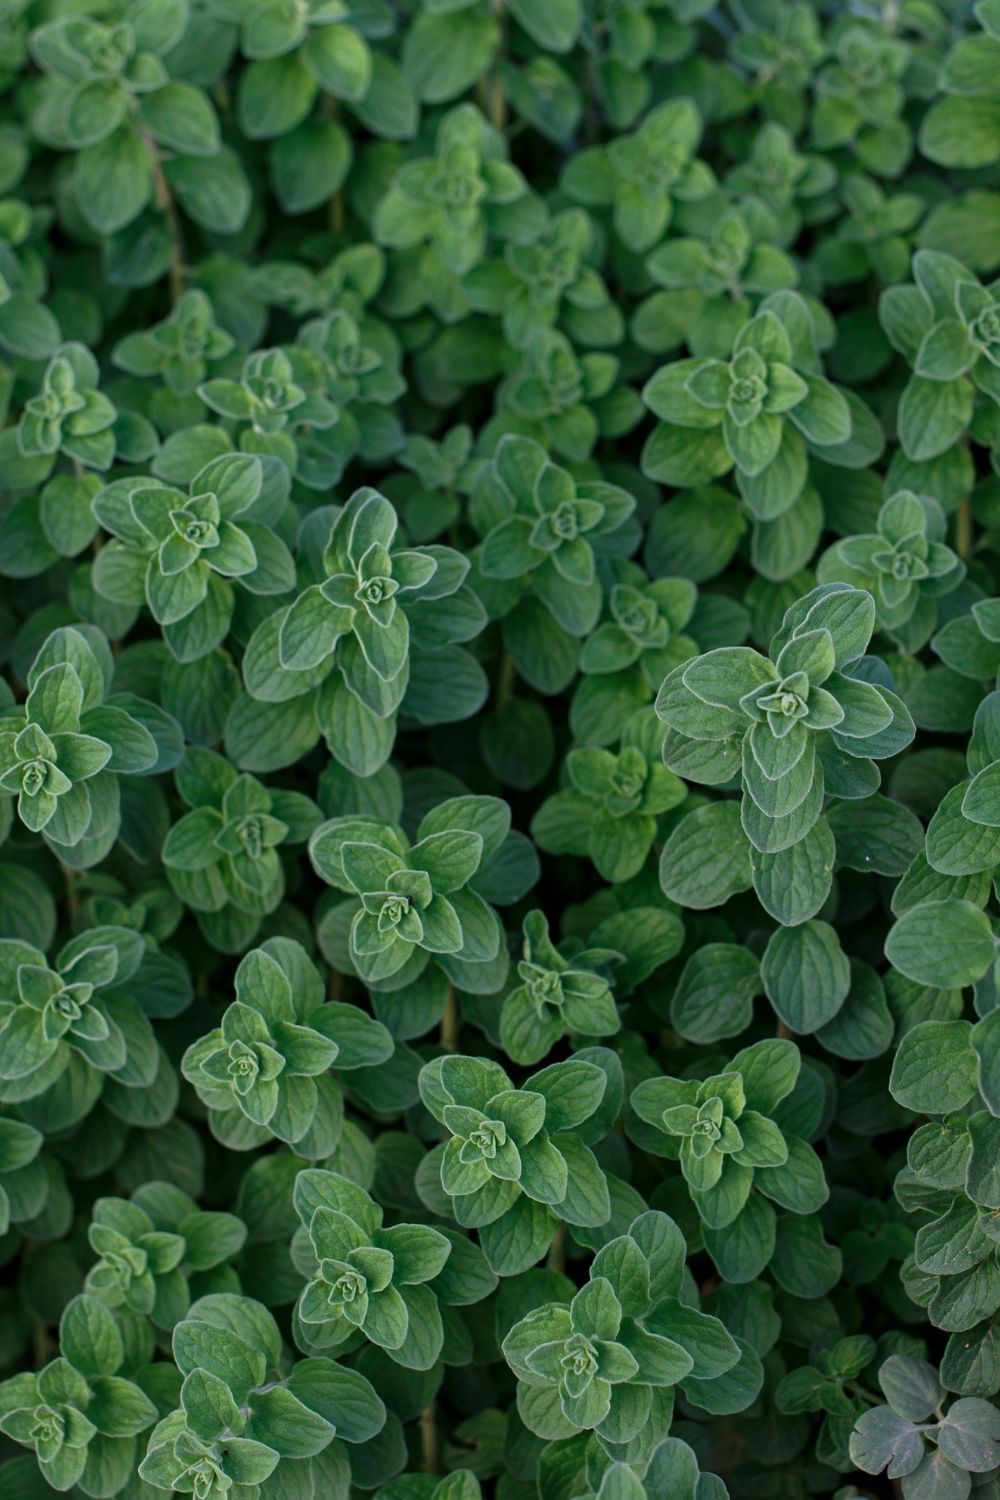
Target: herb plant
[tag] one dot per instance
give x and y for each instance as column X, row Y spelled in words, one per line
column 499, row 749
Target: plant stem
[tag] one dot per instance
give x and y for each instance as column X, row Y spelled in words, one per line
column 506, row 680
column 450, row 1021
column 493, row 98
column 41, row 1345
column 591, row 94
column 72, row 895
column 557, row 1251
column 336, row 213
column 431, row 1462
column 963, row 528
column 165, row 202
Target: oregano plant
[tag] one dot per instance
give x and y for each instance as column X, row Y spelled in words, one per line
column 499, row 749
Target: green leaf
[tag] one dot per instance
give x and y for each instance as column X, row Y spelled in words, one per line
column 113, row 180
column 309, row 165
column 443, row 55
column 89, row 1337
column 214, row 190
column 285, row 1423
column 961, row 132
column 947, row 944
column 706, row 858
column 933, row 414
column 934, row 1070
column 572, row 1092
column 557, row 29
column 340, row 1395
column 881, row 1437
column 181, row 117
column 715, row 993
column 199, row 1346
column 806, row 975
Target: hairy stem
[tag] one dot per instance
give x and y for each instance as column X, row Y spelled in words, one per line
column 492, row 96
column 165, row 202
column 41, row 1346
column 963, row 528
column 450, row 1021
column 336, row 212
column 506, row 680
column 429, row 1450
column 72, row 894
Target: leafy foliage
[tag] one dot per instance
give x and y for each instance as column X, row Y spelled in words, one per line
column 499, row 749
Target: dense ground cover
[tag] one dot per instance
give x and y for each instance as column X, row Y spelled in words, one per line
column 499, row 749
